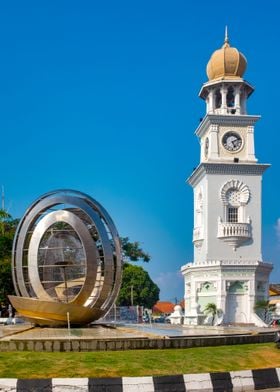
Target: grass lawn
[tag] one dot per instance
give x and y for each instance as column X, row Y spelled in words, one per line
column 138, row 363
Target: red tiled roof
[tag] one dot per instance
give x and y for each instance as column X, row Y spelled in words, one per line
column 163, row 307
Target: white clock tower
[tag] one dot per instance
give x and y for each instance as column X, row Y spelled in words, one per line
column 228, row 269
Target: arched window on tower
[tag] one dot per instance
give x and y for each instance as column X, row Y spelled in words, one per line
column 235, row 195
column 218, row 99
column 230, row 100
column 233, row 204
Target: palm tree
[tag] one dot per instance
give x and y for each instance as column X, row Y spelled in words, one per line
column 211, row 309
column 262, row 308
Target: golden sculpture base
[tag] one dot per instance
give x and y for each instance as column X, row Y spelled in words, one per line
column 50, row 313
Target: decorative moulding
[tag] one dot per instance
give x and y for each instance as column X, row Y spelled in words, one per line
column 218, row 119
column 206, row 87
column 226, row 168
column 242, row 188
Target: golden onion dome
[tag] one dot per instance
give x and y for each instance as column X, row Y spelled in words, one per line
column 226, row 63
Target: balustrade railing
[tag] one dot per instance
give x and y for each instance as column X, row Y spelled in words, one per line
column 234, row 230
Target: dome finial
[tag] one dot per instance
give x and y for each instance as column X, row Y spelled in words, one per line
column 226, row 42
column 226, row 34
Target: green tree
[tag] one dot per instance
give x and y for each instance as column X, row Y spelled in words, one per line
column 211, row 309
column 137, row 287
column 6, row 244
column 4, row 219
column 133, row 252
column 6, row 282
column 7, row 231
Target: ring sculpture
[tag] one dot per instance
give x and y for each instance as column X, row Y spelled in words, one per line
column 66, row 263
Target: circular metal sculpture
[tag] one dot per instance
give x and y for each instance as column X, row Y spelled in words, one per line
column 66, row 260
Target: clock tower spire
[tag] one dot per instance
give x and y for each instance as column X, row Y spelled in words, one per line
column 226, row 34
column 228, row 268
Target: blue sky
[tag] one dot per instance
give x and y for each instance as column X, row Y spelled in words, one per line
column 102, row 97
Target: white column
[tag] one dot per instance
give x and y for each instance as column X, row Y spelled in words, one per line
column 219, row 292
column 187, row 295
column 207, row 104
column 241, row 214
column 192, row 294
column 224, row 100
column 211, row 102
column 237, row 99
column 243, row 102
column 221, row 302
column 251, row 296
column 202, row 157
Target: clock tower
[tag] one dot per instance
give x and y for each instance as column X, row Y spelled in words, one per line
column 228, row 269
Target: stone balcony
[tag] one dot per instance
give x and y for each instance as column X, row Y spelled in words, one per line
column 234, row 233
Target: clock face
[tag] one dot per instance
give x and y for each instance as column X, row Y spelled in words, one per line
column 232, row 141
column 206, row 147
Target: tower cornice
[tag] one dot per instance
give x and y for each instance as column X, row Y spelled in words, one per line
column 230, row 120
column 207, row 86
column 227, row 264
column 226, row 168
